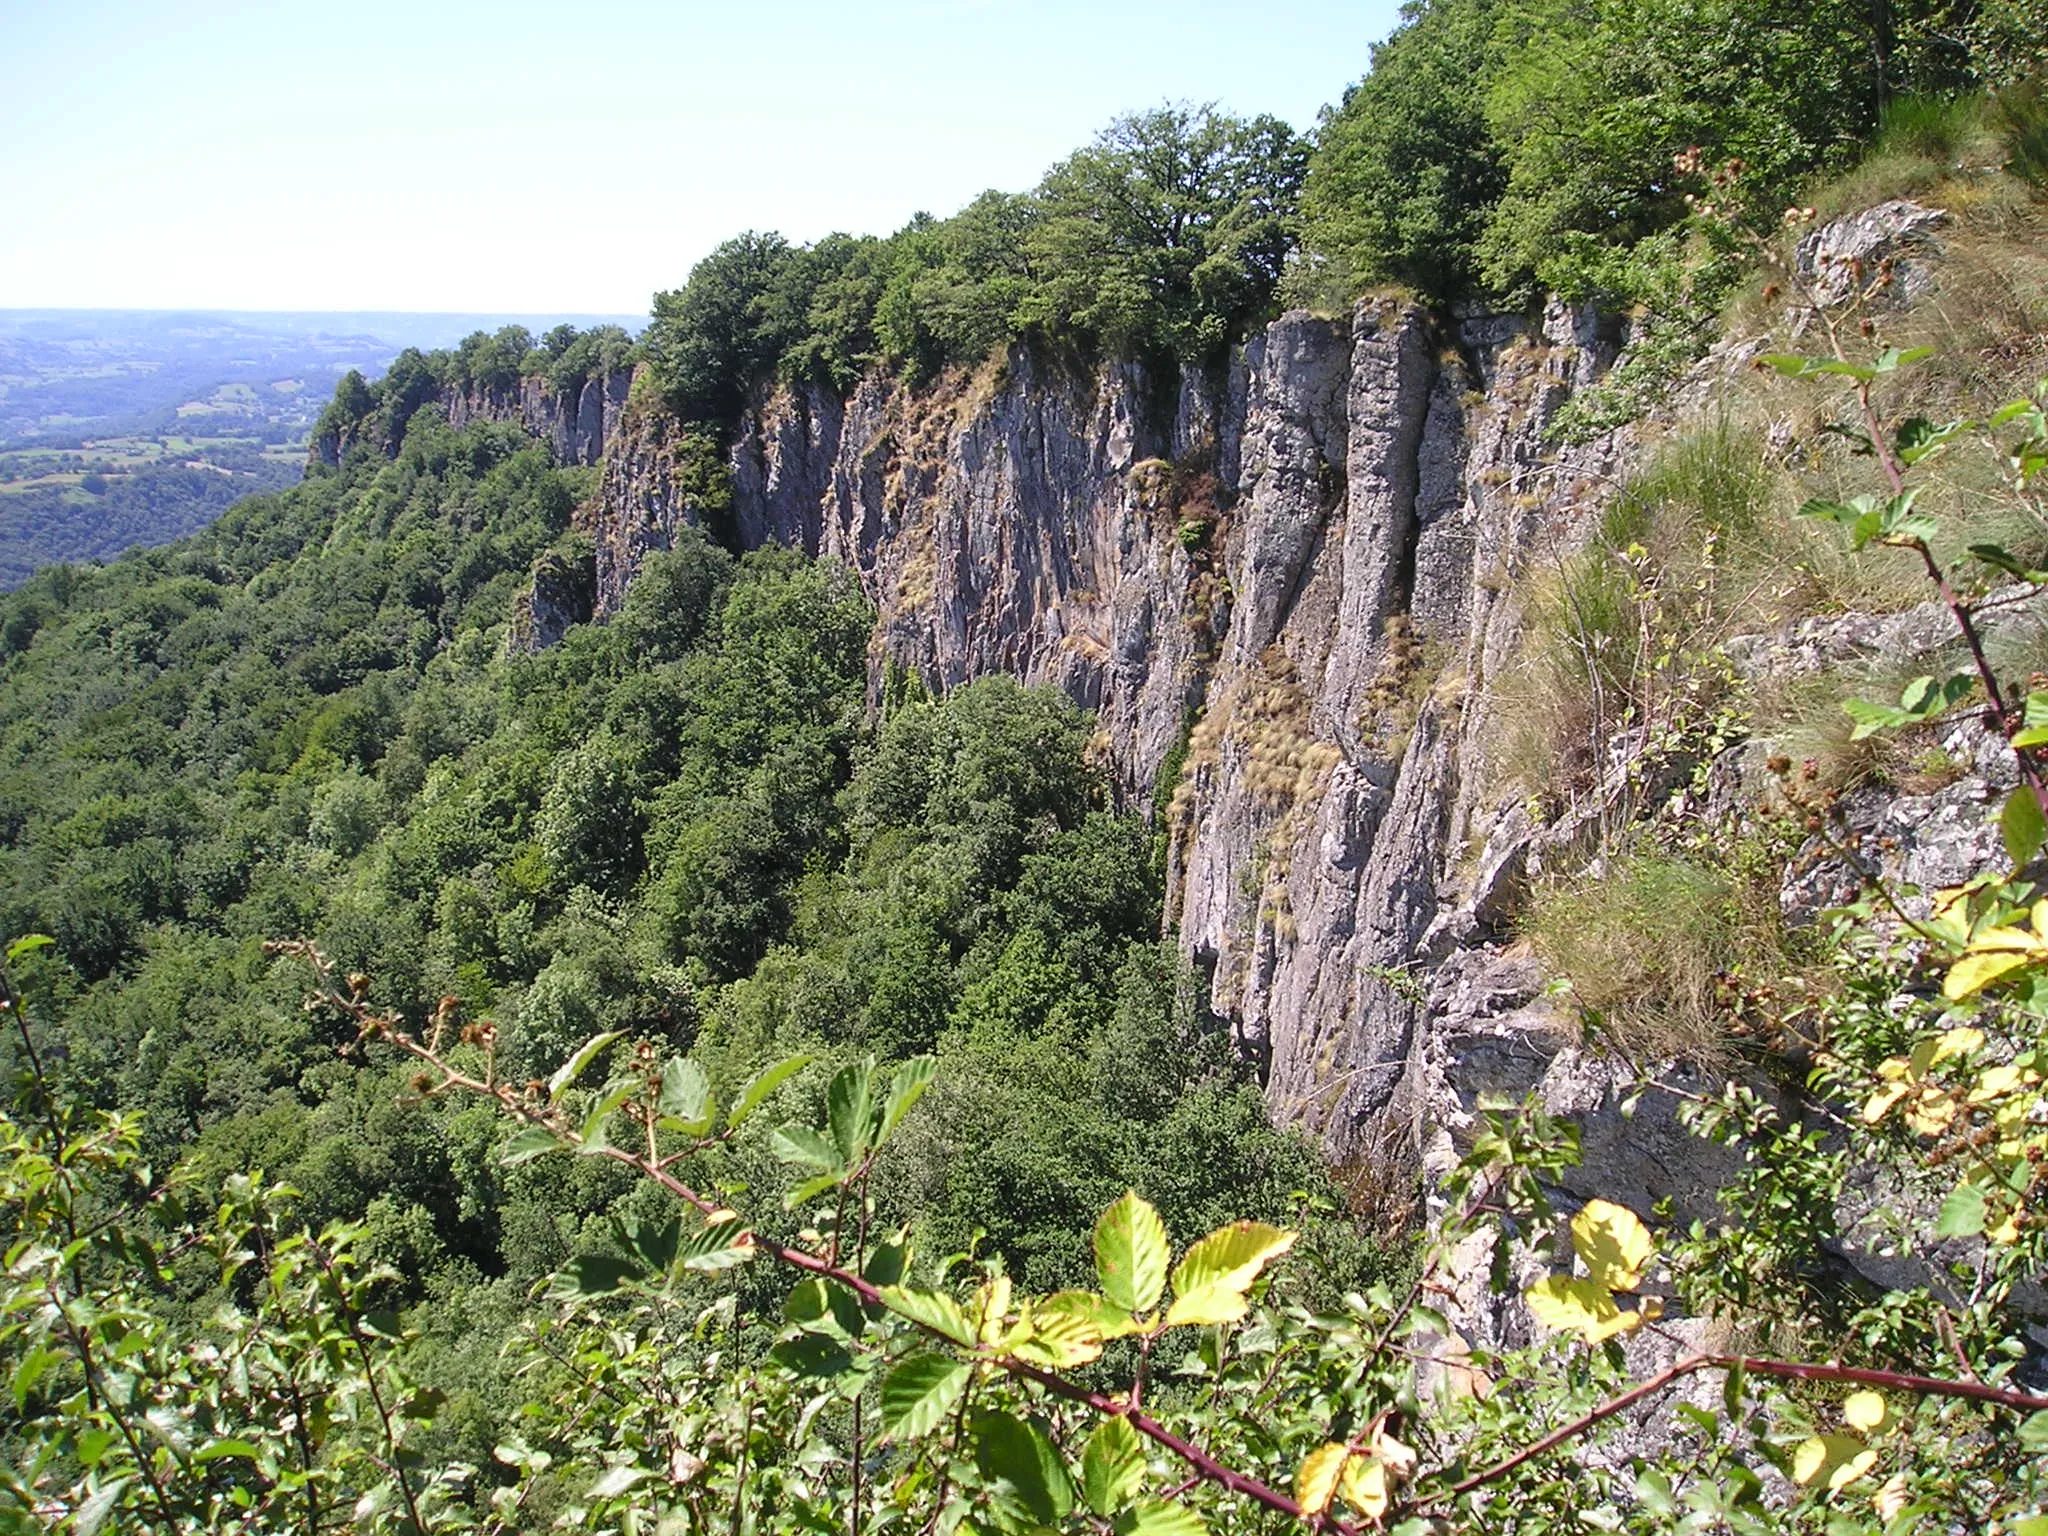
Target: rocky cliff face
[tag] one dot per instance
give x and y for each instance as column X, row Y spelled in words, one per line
column 1303, row 569
column 577, row 423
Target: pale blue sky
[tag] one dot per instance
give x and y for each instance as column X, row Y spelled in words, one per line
column 510, row 156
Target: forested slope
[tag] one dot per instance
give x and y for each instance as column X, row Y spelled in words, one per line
column 751, row 1062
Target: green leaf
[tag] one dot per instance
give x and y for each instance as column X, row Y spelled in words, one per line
column 2000, row 558
column 717, row 1245
column 1131, row 1253
column 940, row 1313
column 220, row 1450
column 810, row 1189
column 821, row 1306
column 594, row 1274
column 813, row 1354
column 34, row 1366
column 1230, row 1257
column 919, row 1393
column 1919, row 439
column 1020, row 1458
column 886, row 1264
column 1962, row 1213
column 2023, row 826
column 756, row 1092
column 1791, row 365
column 528, row 1143
column 849, row 1111
column 2034, row 1432
column 28, row 944
column 803, row 1147
column 617, row 1481
column 93, row 1510
column 591, row 1137
column 686, row 1095
column 1156, row 1517
column 1893, row 358
column 905, row 1089
column 1112, row 1466
column 652, row 1242
column 576, row 1065
column 1923, row 700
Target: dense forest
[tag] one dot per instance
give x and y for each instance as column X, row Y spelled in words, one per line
column 422, row 1051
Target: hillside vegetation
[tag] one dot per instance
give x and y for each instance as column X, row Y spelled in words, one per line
column 681, row 1082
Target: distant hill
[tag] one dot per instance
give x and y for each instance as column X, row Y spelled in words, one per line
column 121, row 428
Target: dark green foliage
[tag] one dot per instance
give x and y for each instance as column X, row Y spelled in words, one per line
column 1497, row 145
column 1167, row 235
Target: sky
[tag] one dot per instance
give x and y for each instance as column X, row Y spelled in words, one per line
column 577, row 156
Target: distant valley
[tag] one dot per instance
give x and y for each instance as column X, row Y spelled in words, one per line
column 121, row 428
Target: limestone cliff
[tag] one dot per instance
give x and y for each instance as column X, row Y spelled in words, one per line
column 1300, row 569
column 576, row 421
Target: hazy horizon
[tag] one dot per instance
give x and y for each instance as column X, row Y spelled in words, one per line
column 472, row 159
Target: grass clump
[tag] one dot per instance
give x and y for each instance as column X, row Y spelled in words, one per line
column 1651, row 942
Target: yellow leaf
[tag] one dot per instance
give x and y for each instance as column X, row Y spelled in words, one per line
column 1565, row 1305
column 1833, row 1460
column 991, row 1307
column 1895, row 1069
column 1975, row 971
column 2007, row 1231
column 1866, row 1411
column 1315, row 1485
column 1365, row 1486
column 1958, row 1042
column 1651, row 1308
column 1614, row 1243
column 1109, row 1320
column 1880, row 1102
column 1231, row 1257
column 1058, row 1339
column 1932, row 1112
column 1399, row 1460
column 1995, row 1082
column 1211, row 1304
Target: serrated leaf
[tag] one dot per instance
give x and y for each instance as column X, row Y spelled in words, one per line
column 803, row 1147
column 1211, row 1304
column 1231, row 1257
column 528, row 1143
column 686, row 1096
column 1131, row 1253
column 938, row 1312
column 1315, row 1484
column 2034, row 1431
column 716, row 1246
column 591, row 1137
column 1017, row 1455
column 1112, row 1466
column 1614, row 1244
column 576, row 1065
column 93, row 1510
column 756, row 1093
column 810, row 1189
column 919, row 1393
column 849, row 1111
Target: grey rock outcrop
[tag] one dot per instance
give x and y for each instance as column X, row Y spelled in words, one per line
column 576, row 422
column 1307, row 566
column 1886, row 253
